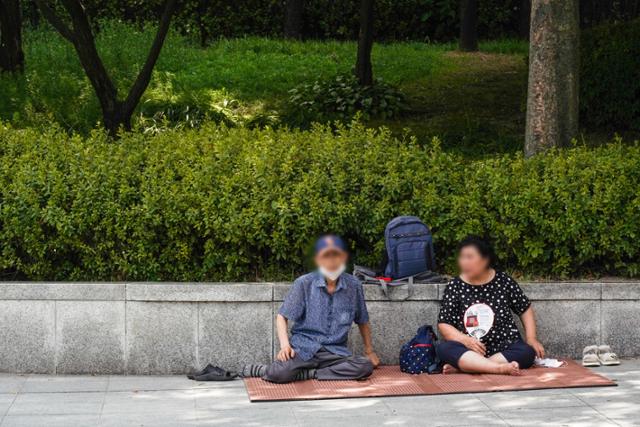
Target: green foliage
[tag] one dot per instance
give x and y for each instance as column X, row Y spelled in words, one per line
column 610, row 76
column 341, row 98
column 234, row 204
column 231, row 81
column 425, row 20
column 471, row 101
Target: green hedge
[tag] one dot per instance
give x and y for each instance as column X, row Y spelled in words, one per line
column 610, row 78
column 231, row 204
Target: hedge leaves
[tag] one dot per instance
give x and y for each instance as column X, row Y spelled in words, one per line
column 240, row 204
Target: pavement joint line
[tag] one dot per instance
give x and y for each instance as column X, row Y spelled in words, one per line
column 137, row 390
column 385, row 402
column 63, row 392
column 194, row 399
column 596, row 409
column 606, row 417
column 496, row 414
column 4, row 415
column 15, row 396
column 104, row 400
column 485, row 405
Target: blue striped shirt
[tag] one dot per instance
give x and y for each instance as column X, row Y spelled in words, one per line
column 320, row 319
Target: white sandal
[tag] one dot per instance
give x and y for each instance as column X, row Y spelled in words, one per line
column 606, row 357
column 590, row 356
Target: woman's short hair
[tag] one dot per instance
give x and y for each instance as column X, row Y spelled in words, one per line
column 482, row 245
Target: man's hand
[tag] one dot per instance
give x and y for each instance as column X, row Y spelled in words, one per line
column 373, row 358
column 286, row 353
column 537, row 346
column 475, row 345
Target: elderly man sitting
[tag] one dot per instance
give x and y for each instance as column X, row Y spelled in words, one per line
column 323, row 305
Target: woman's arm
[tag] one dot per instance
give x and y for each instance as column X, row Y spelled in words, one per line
column 528, row 319
column 365, row 331
column 451, row 333
column 521, row 306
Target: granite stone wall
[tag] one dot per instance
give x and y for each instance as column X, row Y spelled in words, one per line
column 170, row 328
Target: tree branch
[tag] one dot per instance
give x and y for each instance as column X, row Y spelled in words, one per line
column 142, row 81
column 85, row 46
column 55, row 21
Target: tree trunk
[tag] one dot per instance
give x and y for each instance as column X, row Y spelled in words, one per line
column 11, row 55
column 552, row 101
column 586, row 13
column 115, row 119
column 604, row 10
column 201, row 12
column 469, row 25
column 364, row 68
column 116, row 114
column 524, row 17
column 293, row 22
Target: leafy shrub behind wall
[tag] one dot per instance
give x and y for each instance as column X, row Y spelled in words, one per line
column 240, row 204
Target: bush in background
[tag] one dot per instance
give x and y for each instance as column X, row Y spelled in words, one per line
column 610, row 78
column 341, row 98
column 241, row 204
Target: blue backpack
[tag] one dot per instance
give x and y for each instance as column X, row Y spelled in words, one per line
column 409, row 247
column 418, row 356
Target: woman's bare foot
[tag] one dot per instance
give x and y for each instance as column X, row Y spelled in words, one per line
column 449, row 369
column 509, row 369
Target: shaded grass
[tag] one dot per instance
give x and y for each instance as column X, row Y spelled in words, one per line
column 473, row 102
column 476, row 104
column 248, row 75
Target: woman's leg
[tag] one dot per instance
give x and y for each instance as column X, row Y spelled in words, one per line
column 518, row 351
column 498, row 357
column 450, row 352
column 456, row 356
column 473, row 362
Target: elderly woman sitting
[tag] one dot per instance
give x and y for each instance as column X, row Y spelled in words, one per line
column 476, row 321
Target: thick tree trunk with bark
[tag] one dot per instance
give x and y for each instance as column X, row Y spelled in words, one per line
column 469, row 25
column 552, row 102
column 364, row 67
column 293, row 21
column 11, row 55
column 116, row 113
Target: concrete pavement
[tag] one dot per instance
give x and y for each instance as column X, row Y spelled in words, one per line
column 45, row 400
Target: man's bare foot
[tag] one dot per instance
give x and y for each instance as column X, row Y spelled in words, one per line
column 509, row 369
column 449, row 369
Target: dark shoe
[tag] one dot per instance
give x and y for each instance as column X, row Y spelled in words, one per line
column 217, row 374
column 212, row 373
column 206, row 370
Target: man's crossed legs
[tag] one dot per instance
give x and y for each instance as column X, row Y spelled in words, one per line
column 323, row 365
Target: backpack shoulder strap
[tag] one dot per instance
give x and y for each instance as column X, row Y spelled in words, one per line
column 407, row 281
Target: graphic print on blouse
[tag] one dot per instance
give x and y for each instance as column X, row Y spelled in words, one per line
column 484, row 311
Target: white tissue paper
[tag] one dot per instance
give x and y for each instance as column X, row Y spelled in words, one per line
column 548, row 363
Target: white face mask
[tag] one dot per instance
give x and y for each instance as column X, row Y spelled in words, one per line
column 332, row 275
